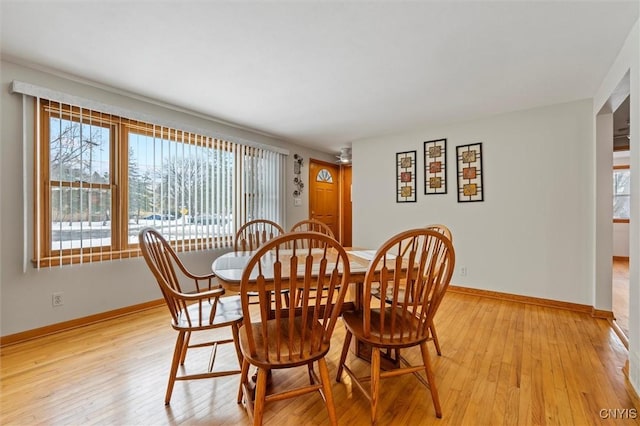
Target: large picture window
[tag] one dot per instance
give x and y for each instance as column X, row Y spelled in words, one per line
column 101, row 178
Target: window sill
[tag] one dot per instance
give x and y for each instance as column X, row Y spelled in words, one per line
column 88, row 257
column 97, row 255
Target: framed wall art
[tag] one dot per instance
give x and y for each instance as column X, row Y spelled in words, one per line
column 470, row 187
column 435, row 167
column 406, row 177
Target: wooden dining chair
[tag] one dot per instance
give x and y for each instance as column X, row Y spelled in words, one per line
column 424, row 272
column 255, row 233
column 444, row 230
column 274, row 337
column 314, row 226
column 195, row 308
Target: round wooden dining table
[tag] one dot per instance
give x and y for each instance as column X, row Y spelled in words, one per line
column 229, row 267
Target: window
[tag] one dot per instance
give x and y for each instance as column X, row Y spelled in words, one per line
column 101, row 178
column 324, row 175
column 621, row 193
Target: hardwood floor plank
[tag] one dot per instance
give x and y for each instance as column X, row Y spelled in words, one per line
column 503, row 362
column 620, row 286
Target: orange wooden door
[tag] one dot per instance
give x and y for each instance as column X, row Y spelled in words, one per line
column 345, row 212
column 324, row 194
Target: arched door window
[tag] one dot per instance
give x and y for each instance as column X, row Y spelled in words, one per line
column 324, row 175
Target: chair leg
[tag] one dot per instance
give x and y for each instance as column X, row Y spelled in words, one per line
column 236, row 341
column 434, row 336
column 185, row 346
column 310, row 371
column 177, row 357
column 430, row 378
column 261, row 393
column 343, row 356
column 244, row 379
column 375, row 383
column 326, row 388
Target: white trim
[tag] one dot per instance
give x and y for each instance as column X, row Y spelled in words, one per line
column 43, row 92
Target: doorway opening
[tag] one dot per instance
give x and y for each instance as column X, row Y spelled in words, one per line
column 621, row 212
column 607, row 295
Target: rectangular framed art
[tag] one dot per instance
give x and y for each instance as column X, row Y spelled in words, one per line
column 470, row 187
column 435, row 167
column 406, row 177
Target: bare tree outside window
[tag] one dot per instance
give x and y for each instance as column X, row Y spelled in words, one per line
column 79, row 181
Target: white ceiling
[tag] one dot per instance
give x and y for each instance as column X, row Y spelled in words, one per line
column 323, row 74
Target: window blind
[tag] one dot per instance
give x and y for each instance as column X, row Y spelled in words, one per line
column 99, row 178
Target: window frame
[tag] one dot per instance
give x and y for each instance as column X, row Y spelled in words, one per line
column 615, row 168
column 44, row 255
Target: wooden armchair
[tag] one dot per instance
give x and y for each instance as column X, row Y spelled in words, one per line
column 191, row 311
column 417, row 265
column 274, row 337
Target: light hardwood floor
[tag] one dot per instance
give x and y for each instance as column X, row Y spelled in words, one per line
column 621, row 294
column 503, row 363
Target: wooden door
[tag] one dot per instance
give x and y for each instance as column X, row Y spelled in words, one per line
column 324, row 194
column 345, row 211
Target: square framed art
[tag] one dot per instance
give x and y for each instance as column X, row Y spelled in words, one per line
column 406, row 177
column 469, row 165
column 435, row 167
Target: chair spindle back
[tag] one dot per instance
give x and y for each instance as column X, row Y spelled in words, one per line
column 255, row 233
column 303, row 332
column 422, row 263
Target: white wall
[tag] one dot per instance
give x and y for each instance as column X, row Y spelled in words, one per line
column 601, row 282
column 25, row 301
column 531, row 235
column 628, row 61
column 621, row 239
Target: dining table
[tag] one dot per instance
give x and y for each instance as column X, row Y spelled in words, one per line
column 229, row 268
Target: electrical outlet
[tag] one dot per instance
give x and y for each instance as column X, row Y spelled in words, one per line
column 57, row 299
column 463, row 271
